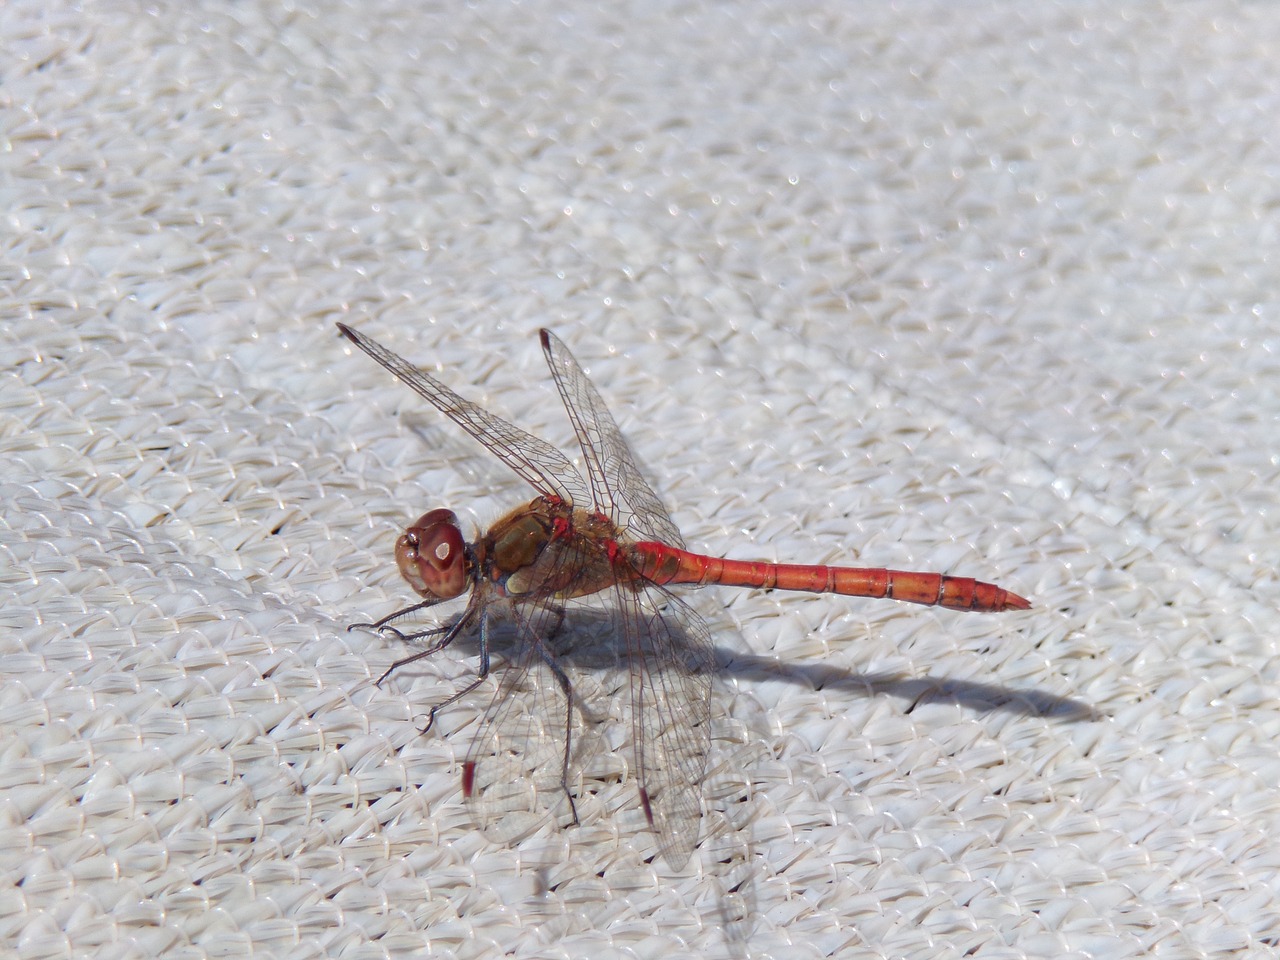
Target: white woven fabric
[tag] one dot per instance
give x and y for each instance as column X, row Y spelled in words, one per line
column 981, row 288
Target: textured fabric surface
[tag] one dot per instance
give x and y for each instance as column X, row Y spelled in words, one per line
column 980, row 288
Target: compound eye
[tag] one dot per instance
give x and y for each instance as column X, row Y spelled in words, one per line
column 432, row 555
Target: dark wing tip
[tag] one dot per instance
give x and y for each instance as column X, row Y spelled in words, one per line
column 648, row 807
column 347, row 332
column 545, row 336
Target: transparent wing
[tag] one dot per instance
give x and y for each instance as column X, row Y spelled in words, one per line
column 516, row 772
column 541, row 465
column 618, row 489
column 672, row 663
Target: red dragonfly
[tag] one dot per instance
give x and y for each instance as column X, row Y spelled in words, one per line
column 605, row 534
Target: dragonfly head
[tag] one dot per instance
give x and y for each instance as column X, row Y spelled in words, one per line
column 432, row 556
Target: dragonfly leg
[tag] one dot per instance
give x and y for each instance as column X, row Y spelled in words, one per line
column 449, row 634
column 566, row 687
column 481, row 674
column 394, row 633
column 454, row 698
column 383, row 630
column 380, row 625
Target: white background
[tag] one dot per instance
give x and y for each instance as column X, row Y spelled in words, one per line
column 986, row 288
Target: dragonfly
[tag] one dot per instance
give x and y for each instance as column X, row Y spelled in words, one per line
column 600, row 533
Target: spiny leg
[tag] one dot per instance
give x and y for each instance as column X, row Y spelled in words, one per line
column 450, row 633
column 380, row 625
column 566, row 687
column 482, row 673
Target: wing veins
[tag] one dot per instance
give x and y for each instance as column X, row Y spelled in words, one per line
column 534, row 460
column 620, row 491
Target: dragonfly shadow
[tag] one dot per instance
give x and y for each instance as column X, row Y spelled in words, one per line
column 918, row 690
column 589, row 640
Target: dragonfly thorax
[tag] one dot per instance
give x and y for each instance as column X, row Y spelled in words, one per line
column 432, row 556
column 548, row 549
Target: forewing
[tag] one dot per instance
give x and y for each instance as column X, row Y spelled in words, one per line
column 544, row 467
column 618, row 489
column 672, row 665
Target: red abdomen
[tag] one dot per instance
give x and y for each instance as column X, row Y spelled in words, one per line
column 663, row 564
